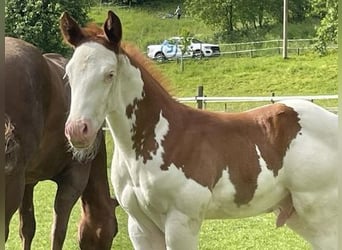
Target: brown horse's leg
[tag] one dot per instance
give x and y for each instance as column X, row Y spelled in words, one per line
column 26, row 215
column 70, row 187
column 14, row 173
column 15, row 185
column 98, row 224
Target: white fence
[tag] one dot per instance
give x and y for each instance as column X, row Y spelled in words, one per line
column 269, row 47
column 263, row 48
column 201, row 99
column 205, row 99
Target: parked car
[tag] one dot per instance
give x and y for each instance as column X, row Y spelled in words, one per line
column 172, row 48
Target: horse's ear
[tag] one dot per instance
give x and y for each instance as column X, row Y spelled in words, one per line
column 112, row 28
column 71, row 31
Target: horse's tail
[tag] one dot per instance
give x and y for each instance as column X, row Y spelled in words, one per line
column 11, row 145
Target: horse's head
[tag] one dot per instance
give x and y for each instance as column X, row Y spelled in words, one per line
column 92, row 73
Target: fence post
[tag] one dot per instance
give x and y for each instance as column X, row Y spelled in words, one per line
column 200, row 94
column 285, row 25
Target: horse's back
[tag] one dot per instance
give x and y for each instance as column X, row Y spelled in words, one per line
column 309, row 113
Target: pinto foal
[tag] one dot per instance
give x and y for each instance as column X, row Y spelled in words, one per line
column 175, row 166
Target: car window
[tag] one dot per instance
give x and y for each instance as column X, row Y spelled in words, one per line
column 173, row 41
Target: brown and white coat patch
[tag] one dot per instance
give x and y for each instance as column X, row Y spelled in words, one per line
column 204, row 144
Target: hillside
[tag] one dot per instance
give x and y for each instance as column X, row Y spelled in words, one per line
column 149, row 23
column 307, row 74
column 223, row 76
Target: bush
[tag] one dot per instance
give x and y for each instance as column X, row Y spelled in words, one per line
column 327, row 31
column 37, row 21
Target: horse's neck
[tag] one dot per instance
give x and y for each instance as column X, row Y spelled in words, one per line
column 141, row 107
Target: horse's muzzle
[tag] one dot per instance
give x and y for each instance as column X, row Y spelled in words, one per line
column 79, row 133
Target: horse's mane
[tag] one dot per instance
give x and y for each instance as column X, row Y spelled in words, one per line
column 91, row 30
column 141, row 61
column 9, row 127
column 10, row 142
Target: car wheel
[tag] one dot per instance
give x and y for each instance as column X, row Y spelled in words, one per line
column 160, row 57
column 198, row 54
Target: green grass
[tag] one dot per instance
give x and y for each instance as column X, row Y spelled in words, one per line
column 261, row 76
column 223, row 76
column 145, row 26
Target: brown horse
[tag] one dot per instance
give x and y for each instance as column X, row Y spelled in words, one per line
column 37, row 101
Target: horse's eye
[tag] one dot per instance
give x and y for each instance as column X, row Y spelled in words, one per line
column 110, row 76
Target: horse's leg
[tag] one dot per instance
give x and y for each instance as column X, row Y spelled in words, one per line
column 15, row 186
column 181, row 231
column 71, row 184
column 315, row 218
column 26, row 215
column 144, row 234
column 98, row 224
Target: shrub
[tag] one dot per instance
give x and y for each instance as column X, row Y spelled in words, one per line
column 37, row 21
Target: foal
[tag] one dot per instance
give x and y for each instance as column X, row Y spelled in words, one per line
column 175, row 166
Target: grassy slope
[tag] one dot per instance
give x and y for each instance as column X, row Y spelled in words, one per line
column 260, row 76
column 307, row 74
column 145, row 26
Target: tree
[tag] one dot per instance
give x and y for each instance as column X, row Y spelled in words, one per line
column 37, row 21
column 218, row 13
column 327, row 30
column 244, row 16
column 299, row 9
column 184, row 45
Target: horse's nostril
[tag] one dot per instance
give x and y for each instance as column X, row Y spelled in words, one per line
column 79, row 131
column 85, row 129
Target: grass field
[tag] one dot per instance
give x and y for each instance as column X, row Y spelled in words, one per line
column 299, row 75
column 261, row 76
column 145, row 25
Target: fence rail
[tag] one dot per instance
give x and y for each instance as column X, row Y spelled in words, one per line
column 254, row 98
column 201, row 99
column 274, row 43
column 262, row 48
column 271, row 47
